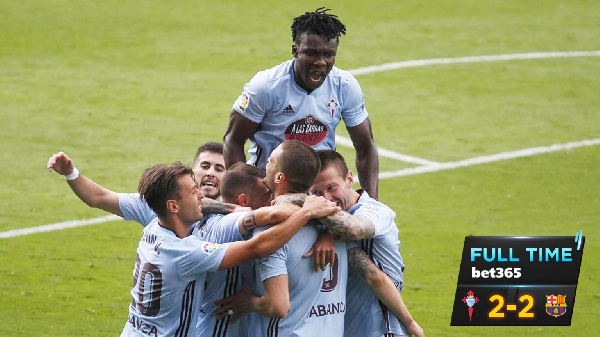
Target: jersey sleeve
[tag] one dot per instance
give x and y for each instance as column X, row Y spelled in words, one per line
column 379, row 216
column 254, row 101
column 354, row 111
column 198, row 257
column 135, row 209
column 226, row 228
column 274, row 264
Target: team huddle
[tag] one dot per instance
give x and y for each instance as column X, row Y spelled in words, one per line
column 280, row 244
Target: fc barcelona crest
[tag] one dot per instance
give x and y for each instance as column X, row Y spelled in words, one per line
column 556, row 305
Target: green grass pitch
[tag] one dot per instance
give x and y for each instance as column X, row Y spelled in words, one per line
column 121, row 85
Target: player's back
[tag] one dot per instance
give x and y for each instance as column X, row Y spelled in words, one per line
column 317, row 299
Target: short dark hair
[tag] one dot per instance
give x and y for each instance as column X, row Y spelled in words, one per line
column 160, row 183
column 333, row 158
column 300, row 164
column 213, row 147
column 318, row 22
column 240, row 178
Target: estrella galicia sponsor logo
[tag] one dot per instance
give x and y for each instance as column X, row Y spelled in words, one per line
column 307, row 130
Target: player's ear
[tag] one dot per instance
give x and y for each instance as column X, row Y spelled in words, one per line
column 279, row 177
column 172, row 206
column 295, row 50
column 350, row 179
column 243, row 200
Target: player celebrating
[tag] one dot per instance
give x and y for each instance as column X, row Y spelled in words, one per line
column 371, row 222
column 170, row 267
column 304, row 99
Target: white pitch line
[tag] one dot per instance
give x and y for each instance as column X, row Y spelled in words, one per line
column 344, row 141
column 470, row 59
column 58, row 226
column 428, row 165
column 382, row 175
column 488, row 159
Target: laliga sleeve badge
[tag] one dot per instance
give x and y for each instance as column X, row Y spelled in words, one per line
column 242, row 102
column 470, row 300
column 209, row 248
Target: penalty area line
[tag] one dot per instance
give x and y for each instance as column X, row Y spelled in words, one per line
column 427, row 166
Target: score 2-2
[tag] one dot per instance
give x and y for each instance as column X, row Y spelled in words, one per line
column 523, row 313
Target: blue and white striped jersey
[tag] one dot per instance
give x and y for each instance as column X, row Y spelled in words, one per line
column 168, row 282
column 366, row 315
column 222, row 283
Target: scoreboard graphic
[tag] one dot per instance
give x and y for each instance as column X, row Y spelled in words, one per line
column 515, row 280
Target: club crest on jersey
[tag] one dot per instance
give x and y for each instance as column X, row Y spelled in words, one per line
column 209, row 248
column 332, row 105
column 242, row 102
column 308, row 130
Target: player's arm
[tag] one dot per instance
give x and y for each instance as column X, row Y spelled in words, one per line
column 275, row 302
column 266, row 216
column 239, row 130
column 383, row 287
column 87, row 190
column 367, row 161
column 274, row 238
column 211, row 206
column 291, row 198
column 348, row 227
column 324, row 248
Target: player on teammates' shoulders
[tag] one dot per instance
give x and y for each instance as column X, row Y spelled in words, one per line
column 304, row 99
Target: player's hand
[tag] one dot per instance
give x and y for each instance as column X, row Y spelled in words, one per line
column 236, row 305
column 61, row 163
column 415, row 329
column 319, row 206
column 323, row 251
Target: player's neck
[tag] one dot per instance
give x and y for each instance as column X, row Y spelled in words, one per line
column 281, row 189
column 355, row 196
column 176, row 226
